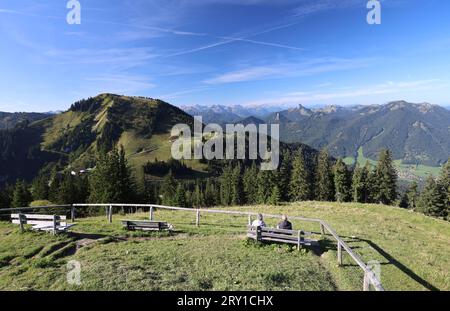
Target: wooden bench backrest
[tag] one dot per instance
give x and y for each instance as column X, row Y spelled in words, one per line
column 145, row 224
column 278, row 234
column 37, row 219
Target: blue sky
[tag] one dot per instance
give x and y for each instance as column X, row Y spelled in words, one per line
column 249, row 52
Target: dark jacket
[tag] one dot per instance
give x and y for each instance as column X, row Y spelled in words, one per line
column 285, row 224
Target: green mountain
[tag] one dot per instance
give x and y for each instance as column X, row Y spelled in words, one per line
column 415, row 133
column 72, row 138
column 9, row 120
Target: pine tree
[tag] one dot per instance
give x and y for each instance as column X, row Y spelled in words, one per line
column 67, row 190
column 21, row 195
column 359, row 184
column 300, row 183
column 433, row 199
column 386, row 176
column 444, row 180
column 275, row 196
column 372, row 186
column 111, row 180
column 126, row 182
column 324, row 178
column 284, row 176
column 412, row 195
column 237, row 193
column 180, row 196
column 264, row 186
column 6, row 196
column 210, row 193
column 198, row 199
column 341, row 181
column 103, row 180
column 169, row 189
column 53, row 191
column 226, row 186
column 249, row 184
column 40, row 188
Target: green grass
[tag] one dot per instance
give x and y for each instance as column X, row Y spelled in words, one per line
column 414, row 252
column 407, row 172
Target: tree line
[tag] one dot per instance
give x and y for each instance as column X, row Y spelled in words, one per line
column 300, row 177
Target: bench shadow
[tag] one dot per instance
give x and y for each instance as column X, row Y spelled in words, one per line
column 91, row 236
column 390, row 260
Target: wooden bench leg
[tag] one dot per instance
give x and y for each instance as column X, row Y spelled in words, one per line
column 21, row 221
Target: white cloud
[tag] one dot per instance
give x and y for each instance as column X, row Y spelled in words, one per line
column 123, row 57
column 285, row 70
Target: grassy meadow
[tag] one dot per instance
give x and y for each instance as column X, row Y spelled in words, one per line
column 413, row 250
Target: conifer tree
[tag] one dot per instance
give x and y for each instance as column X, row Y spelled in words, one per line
column 4, row 200
column 169, row 189
column 300, row 183
column 226, row 185
column 386, row 179
column 210, row 193
column 53, row 192
column 264, row 186
column 412, row 195
column 324, row 178
column 250, row 185
column 126, row 181
column 284, row 177
column 341, row 181
column 40, row 188
column 275, row 196
column 236, row 186
column 433, row 199
column 67, row 190
column 111, row 180
column 180, row 196
column 359, row 184
column 444, row 180
column 372, row 186
column 198, row 199
column 21, row 195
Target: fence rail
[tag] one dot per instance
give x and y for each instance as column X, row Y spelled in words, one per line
column 369, row 276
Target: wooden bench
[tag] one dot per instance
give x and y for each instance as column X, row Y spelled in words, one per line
column 265, row 234
column 51, row 223
column 145, row 225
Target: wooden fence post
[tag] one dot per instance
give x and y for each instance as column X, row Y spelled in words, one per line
column 110, row 214
column 366, row 284
column 197, row 218
column 21, row 221
column 72, row 213
column 322, row 230
column 151, row 212
column 299, row 240
column 54, row 224
column 339, row 253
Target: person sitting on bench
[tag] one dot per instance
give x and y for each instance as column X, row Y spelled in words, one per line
column 259, row 222
column 285, row 223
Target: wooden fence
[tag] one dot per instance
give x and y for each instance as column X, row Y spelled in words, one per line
column 370, row 279
column 369, row 276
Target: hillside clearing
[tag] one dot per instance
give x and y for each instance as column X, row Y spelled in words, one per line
column 414, row 252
